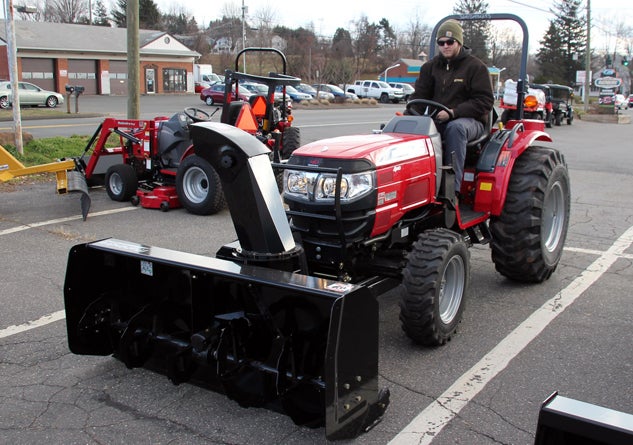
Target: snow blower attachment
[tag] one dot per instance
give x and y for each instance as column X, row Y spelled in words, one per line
column 245, row 323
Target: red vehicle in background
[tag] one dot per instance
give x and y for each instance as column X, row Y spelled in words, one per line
column 215, row 94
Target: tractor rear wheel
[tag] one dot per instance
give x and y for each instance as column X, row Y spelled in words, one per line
column 529, row 235
column 121, row 182
column 434, row 285
column 198, row 186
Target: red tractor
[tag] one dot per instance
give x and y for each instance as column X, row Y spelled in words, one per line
column 286, row 316
column 153, row 163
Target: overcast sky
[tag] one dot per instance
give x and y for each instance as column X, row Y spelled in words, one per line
column 328, row 15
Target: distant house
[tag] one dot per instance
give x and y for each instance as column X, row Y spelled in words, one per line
column 53, row 55
column 407, row 71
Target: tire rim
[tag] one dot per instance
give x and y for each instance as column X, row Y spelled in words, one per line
column 116, row 184
column 553, row 217
column 452, row 289
column 195, row 185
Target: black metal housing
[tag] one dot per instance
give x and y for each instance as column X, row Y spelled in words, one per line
column 564, row 421
column 298, row 344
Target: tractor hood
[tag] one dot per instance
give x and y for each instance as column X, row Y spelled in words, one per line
column 379, row 149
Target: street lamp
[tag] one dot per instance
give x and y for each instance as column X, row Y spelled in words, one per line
column 499, row 81
column 387, row 70
column 244, row 12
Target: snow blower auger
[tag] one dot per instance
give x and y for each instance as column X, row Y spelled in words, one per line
column 244, row 323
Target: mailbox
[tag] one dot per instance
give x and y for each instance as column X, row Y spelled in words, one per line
column 70, row 89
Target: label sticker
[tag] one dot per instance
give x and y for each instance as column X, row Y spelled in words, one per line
column 339, row 287
column 147, row 268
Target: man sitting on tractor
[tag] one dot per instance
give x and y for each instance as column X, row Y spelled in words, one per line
column 460, row 81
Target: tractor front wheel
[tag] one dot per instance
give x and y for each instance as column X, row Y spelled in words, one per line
column 198, row 186
column 121, row 182
column 434, row 285
column 529, row 235
column 290, row 141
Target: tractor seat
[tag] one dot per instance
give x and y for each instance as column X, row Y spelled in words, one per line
column 421, row 125
column 234, row 109
column 492, row 118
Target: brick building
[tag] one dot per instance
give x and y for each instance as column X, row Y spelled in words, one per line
column 53, row 55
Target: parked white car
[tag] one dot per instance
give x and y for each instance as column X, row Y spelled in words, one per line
column 30, row 94
column 406, row 88
column 621, row 102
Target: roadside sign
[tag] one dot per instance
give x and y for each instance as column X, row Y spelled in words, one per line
column 608, row 82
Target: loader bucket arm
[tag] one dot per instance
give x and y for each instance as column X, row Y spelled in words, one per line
column 67, row 174
column 301, row 345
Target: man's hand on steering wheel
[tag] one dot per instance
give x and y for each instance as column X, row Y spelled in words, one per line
column 443, row 116
column 435, row 110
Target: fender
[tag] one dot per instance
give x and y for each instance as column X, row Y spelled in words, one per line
column 523, row 135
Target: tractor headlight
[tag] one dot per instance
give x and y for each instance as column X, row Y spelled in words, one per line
column 322, row 186
column 296, row 182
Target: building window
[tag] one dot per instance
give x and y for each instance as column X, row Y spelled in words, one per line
column 174, row 80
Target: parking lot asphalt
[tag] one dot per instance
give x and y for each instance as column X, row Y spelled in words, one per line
column 516, row 345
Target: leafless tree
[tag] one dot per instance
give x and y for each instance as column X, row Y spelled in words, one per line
column 415, row 38
column 67, row 11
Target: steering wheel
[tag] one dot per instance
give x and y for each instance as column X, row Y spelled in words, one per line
column 432, row 108
column 197, row 115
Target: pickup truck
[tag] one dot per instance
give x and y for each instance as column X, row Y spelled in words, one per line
column 376, row 89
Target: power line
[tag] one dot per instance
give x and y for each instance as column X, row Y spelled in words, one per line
column 549, row 11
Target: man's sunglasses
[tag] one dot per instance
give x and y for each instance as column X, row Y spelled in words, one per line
column 448, row 42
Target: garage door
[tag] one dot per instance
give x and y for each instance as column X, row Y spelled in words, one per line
column 40, row 72
column 118, row 77
column 83, row 73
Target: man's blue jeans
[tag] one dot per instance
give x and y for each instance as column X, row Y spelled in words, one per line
column 455, row 135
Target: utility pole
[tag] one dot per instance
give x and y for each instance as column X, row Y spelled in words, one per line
column 588, row 59
column 133, row 61
column 244, row 10
column 13, row 74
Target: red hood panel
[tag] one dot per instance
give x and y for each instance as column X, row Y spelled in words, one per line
column 380, row 149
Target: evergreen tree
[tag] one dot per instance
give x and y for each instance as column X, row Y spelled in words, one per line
column 476, row 32
column 149, row 16
column 562, row 49
column 342, row 44
column 119, row 13
column 101, row 15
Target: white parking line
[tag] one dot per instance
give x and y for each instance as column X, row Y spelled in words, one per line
column 430, row 422
column 42, row 321
column 61, row 220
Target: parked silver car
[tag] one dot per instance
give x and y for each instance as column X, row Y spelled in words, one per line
column 406, row 88
column 30, row 94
